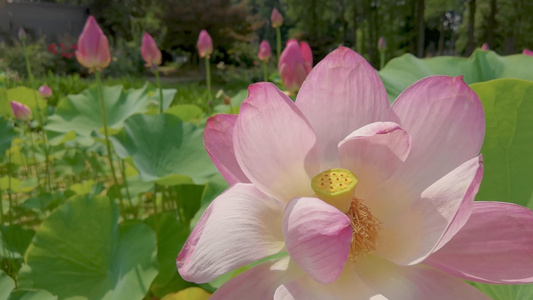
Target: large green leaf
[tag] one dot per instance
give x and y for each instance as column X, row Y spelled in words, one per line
column 405, row 70
column 6, row 285
column 81, row 250
column 31, row 294
column 26, row 96
column 507, row 152
column 14, row 240
column 164, row 149
column 7, row 134
column 171, row 235
column 506, row 292
column 81, row 113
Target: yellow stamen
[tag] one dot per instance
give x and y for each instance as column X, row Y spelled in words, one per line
column 335, row 187
column 365, row 229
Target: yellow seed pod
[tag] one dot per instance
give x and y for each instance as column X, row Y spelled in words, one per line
column 335, row 187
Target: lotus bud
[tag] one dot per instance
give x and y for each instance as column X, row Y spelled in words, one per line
column 93, row 47
column 276, row 19
column 205, row 44
column 527, row 52
column 22, row 34
column 149, row 51
column 264, row 51
column 291, row 67
column 485, row 47
column 382, row 44
column 307, row 55
column 20, row 111
column 45, row 91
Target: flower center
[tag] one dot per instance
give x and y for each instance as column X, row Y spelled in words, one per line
column 337, row 188
column 365, row 229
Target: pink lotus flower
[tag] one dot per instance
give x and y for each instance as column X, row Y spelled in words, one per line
column 149, row 51
column 307, row 55
column 276, row 19
column 485, row 47
column 20, row 111
column 409, row 230
column 292, row 67
column 264, row 51
column 45, row 91
column 527, row 52
column 204, row 44
column 93, row 47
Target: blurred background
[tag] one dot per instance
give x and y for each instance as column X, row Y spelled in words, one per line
column 424, row 28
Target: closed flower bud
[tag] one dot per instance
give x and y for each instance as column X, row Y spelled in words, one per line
column 20, row 111
column 382, row 44
column 276, row 18
column 22, row 34
column 93, row 47
column 45, row 91
column 264, row 51
column 204, row 44
column 291, row 66
column 149, row 51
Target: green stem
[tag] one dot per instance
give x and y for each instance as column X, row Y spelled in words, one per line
column 1, row 207
column 208, row 76
column 125, row 181
column 381, row 59
column 160, row 91
column 278, row 42
column 35, row 160
column 39, row 116
column 156, row 224
column 10, row 197
column 107, row 143
column 265, row 71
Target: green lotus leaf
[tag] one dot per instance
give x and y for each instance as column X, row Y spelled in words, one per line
column 171, row 235
column 164, row 149
column 81, row 113
column 26, row 96
column 506, row 292
column 81, row 251
column 14, row 240
column 186, row 112
column 403, row 71
column 31, row 294
column 7, row 134
column 6, row 285
column 507, row 155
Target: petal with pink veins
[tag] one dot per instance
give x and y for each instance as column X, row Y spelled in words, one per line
column 239, row 227
column 445, row 120
column 260, row 282
column 218, row 141
column 274, row 144
column 374, row 152
column 413, row 282
column 317, row 237
column 494, row 246
column 348, row 286
column 342, row 93
column 410, row 233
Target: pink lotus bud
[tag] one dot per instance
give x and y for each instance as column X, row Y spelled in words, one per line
column 45, row 91
column 382, row 44
column 20, row 111
column 149, row 51
column 527, row 52
column 22, row 34
column 204, row 44
column 264, row 51
column 93, row 47
column 485, row 47
column 291, row 66
column 307, row 55
column 276, row 18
